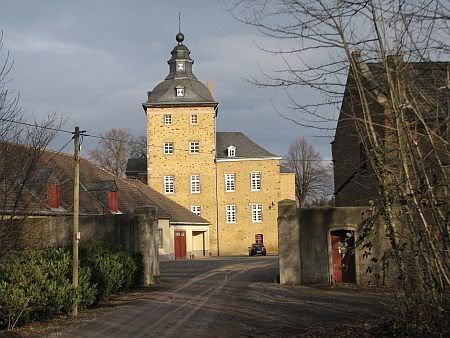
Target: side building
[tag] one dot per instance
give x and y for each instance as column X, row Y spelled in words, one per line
column 225, row 178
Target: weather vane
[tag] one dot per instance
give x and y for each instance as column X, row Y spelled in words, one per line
column 179, row 22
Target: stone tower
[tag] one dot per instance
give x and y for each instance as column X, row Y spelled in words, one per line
column 181, row 128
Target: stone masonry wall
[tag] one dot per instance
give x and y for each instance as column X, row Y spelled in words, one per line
column 307, row 257
column 181, row 164
column 135, row 233
column 235, row 238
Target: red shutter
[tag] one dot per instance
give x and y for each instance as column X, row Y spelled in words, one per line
column 53, row 195
column 113, row 204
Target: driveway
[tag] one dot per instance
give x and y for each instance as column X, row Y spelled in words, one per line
column 223, row 297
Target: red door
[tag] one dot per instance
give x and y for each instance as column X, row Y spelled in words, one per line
column 343, row 256
column 336, row 257
column 180, row 245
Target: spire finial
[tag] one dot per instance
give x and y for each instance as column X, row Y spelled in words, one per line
column 180, row 36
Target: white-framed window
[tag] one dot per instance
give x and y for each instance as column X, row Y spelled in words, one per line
column 255, row 179
column 196, row 209
column 194, row 147
column 231, row 213
column 160, row 239
column 195, row 184
column 230, row 182
column 169, row 184
column 168, row 147
column 167, row 119
column 194, row 118
column 256, row 213
column 180, row 91
column 231, row 151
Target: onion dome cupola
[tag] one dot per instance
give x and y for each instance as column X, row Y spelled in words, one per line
column 180, row 87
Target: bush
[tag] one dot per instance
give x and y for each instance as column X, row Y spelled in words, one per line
column 112, row 269
column 36, row 285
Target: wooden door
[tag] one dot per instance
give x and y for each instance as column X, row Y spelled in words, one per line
column 336, row 257
column 343, row 256
column 180, row 244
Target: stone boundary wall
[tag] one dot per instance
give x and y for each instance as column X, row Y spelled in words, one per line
column 135, row 233
column 305, row 247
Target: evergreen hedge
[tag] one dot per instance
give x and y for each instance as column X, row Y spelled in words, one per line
column 36, row 285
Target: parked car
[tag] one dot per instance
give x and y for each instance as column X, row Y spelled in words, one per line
column 256, row 249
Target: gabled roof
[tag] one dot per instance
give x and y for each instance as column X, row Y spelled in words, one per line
column 245, row 148
column 95, row 183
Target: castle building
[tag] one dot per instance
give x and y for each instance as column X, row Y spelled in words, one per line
column 224, row 177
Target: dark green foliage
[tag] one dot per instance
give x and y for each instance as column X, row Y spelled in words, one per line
column 112, row 270
column 36, row 285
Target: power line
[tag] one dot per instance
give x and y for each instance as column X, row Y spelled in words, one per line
column 37, row 126
column 64, row 146
column 82, row 133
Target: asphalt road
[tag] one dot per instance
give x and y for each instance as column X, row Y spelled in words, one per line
column 235, row 297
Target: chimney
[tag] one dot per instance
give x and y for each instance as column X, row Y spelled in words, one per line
column 361, row 66
column 53, row 195
column 210, row 86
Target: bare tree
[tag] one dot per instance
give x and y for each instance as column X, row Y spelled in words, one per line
column 374, row 45
column 138, row 147
column 312, row 178
column 22, row 144
column 115, row 147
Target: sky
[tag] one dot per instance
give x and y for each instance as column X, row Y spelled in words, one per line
column 94, row 61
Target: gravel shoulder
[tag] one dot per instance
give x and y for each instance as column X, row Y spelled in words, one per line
column 224, row 297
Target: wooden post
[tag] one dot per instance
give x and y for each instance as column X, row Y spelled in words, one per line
column 76, row 202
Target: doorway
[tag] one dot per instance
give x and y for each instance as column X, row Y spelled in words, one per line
column 343, row 256
column 259, row 239
column 180, row 244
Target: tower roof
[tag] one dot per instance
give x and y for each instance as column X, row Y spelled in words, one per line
column 180, row 87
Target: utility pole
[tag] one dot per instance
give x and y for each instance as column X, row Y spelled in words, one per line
column 76, row 203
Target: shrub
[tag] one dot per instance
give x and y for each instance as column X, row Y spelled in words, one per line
column 36, row 285
column 112, row 269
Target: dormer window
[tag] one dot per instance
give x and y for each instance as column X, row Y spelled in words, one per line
column 231, row 151
column 180, row 67
column 53, row 195
column 179, row 91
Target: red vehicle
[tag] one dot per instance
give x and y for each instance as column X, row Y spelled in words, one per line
column 257, row 249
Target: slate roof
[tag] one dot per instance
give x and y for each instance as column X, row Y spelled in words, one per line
column 424, row 79
column 195, row 92
column 175, row 211
column 94, row 185
column 136, row 165
column 245, row 148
